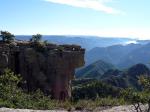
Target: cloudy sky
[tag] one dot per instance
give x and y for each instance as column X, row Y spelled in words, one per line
column 109, row 18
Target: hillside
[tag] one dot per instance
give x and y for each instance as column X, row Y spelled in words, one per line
column 126, row 78
column 107, row 73
column 140, row 55
column 112, row 54
column 122, row 56
column 94, row 70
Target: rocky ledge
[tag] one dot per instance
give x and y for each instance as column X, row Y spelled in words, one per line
column 49, row 67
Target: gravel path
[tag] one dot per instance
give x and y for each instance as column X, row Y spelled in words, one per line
column 27, row 110
column 127, row 108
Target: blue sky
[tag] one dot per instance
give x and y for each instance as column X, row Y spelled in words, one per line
column 115, row 18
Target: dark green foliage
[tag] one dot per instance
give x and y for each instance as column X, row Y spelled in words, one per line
column 40, row 47
column 138, row 70
column 145, row 82
column 128, row 78
column 110, row 73
column 139, row 95
column 105, row 73
column 61, row 48
column 38, row 44
column 93, row 90
column 12, row 96
column 98, row 102
column 6, row 36
column 95, row 70
column 138, row 98
column 45, row 42
column 36, row 38
column 90, row 93
column 82, row 82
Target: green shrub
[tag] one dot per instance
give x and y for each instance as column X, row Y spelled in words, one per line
column 6, row 36
column 93, row 90
column 98, row 102
column 12, row 96
column 36, row 38
column 137, row 98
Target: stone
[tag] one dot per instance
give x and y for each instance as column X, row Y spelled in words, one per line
column 48, row 67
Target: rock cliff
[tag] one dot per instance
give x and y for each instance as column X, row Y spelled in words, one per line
column 49, row 67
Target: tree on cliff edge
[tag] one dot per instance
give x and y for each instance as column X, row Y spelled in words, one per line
column 36, row 38
column 6, row 36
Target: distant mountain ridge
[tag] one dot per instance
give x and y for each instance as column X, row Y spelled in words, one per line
column 122, row 56
column 94, row 70
column 111, row 54
column 112, row 76
column 128, row 78
column 87, row 42
column 117, row 51
column 139, row 55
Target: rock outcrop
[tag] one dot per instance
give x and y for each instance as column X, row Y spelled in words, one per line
column 49, row 67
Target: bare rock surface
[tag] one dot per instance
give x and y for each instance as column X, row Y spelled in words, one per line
column 27, row 110
column 49, row 67
column 125, row 108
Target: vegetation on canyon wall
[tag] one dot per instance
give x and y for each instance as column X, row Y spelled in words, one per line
column 12, row 96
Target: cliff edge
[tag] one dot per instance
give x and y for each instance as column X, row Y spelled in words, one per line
column 49, row 67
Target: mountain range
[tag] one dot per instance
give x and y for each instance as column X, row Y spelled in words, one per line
column 111, row 60
column 108, row 74
column 94, row 70
column 116, row 51
column 126, row 78
column 87, row 42
column 122, row 56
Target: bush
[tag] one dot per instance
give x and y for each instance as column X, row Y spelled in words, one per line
column 93, row 90
column 138, row 98
column 98, row 102
column 14, row 97
column 6, row 36
column 36, row 38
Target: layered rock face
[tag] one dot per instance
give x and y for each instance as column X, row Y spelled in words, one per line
column 48, row 67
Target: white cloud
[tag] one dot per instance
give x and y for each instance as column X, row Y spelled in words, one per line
column 98, row 5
